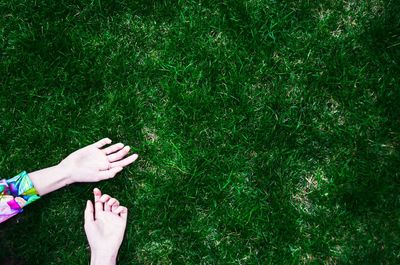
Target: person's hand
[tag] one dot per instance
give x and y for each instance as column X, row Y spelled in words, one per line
column 92, row 164
column 105, row 225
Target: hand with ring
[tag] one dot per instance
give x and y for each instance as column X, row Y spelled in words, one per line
column 96, row 162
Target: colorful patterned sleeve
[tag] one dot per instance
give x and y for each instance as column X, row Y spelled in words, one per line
column 15, row 194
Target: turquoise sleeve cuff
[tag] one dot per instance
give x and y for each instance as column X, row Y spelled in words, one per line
column 15, row 194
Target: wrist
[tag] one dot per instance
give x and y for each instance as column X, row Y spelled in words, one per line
column 50, row 179
column 103, row 258
column 64, row 175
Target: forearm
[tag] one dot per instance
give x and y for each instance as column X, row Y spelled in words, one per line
column 23, row 189
column 50, row 179
column 103, row 259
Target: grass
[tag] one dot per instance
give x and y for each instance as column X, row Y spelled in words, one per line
column 268, row 131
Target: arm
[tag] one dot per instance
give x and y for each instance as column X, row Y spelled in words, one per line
column 102, row 259
column 90, row 164
column 50, row 179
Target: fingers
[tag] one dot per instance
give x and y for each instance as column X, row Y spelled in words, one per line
column 104, row 198
column 115, row 206
column 107, row 207
column 124, row 162
column 89, row 212
column 100, row 203
column 119, row 155
column 110, row 204
column 124, row 213
column 112, row 149
column 102, row 142
column 103, row 203
column 121, row 211
column 97, row 204
column 110, row 173
column 97, row 194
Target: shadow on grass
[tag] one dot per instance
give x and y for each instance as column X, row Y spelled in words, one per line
column 375, row 178
column 367, row 181
column 50, row 38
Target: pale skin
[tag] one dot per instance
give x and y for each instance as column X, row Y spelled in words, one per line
column 92, row 163
column 105, row 224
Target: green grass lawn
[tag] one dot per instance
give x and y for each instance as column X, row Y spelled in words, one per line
column 268, row 131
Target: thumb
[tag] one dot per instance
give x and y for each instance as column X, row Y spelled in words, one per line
column 89, row 212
